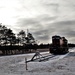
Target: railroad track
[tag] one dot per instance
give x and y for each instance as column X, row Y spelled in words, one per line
column 45, row 58
column 42, row 58
column 48, row 57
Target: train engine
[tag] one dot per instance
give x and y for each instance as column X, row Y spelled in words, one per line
column 59, row 45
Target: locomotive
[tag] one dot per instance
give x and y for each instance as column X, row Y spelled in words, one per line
column 59, row 45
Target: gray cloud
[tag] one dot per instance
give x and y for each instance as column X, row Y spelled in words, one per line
column 43, row 18
column 65, row 28
column 38, row 26
column 42, row 29
column 58, row 19
column 38, row 23
column 41, row 33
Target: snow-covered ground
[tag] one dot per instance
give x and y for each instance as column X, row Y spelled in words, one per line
column 59, row 65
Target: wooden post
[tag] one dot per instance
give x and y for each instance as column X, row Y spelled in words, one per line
column 26, row 63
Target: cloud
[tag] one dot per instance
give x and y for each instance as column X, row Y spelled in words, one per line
column 43, row 18
column 52, row 18
column 65, row 28
column 37, row 26
column 35, row 23
column 43, row 27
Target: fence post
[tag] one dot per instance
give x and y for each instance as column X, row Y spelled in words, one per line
column 26, row 63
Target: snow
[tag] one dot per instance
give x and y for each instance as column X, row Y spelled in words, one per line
column 58, row 65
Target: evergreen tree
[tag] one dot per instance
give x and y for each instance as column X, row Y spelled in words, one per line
column 21, row 37
column 30, row 39
column 11, row 38
column 2, row 34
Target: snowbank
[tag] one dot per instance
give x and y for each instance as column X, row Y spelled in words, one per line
column 59, row 65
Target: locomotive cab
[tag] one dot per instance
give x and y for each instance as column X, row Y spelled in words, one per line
column 59, row 45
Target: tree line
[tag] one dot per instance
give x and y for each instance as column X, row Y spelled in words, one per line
column 7, row 37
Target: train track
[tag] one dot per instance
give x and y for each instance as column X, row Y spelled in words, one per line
column 42, row 58
column 49, row 57
column 46, row 58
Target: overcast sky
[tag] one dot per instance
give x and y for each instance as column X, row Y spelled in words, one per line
column 43, row 18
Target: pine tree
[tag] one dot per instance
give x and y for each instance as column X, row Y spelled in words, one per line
column 21, row 37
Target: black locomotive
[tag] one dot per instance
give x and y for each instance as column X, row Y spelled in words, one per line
column 59, row 45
